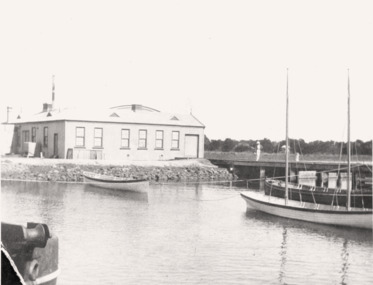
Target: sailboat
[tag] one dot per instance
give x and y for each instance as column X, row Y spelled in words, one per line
column 334, row 215
column 360, row 198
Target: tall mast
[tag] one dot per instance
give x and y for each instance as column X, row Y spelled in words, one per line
column 287, row 138
column 348, row 146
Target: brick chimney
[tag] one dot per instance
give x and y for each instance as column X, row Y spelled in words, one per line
column 47, row 107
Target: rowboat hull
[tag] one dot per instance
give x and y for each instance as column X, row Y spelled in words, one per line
column 111, row 182
column 315, row 213
column 319, row 195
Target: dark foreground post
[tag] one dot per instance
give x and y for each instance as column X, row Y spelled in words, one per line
column 34, row 252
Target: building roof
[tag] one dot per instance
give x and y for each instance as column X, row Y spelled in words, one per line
column 143, row 115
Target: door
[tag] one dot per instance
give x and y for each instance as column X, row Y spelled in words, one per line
column 191, row 146
column 55, row 145
column 25, row 141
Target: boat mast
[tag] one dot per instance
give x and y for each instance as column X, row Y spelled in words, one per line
column 348, row 146
column 287, row 138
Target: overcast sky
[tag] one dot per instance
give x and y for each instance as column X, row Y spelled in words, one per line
column 224, row 61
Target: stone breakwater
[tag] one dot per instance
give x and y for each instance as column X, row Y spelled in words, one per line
column 70, row 172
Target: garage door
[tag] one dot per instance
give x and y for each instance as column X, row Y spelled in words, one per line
column 191, row 146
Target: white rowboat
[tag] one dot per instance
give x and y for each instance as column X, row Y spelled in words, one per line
column 117, row 183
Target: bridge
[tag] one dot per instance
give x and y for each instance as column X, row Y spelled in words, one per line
column 252, row 169
column 364, row 166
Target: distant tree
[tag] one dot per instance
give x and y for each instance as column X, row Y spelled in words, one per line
column 296, row 146
column 365, row 148
column 216, row 145
column 361, row 148
column 207, row 143
column 243, row 146
column 228, row 145
column 299, row 146
column 267, row 145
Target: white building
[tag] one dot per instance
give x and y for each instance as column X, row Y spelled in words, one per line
column 128, row 132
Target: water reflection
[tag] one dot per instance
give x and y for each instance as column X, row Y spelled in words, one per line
column 283, row 256
column 336, row 235
column 45, row 189
column 330, row 232
column 112, row 193
column 343, row 237
column 52, row 198
column 185, row 234
column 345, row 264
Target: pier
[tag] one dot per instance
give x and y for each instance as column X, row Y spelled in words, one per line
column 252, row 169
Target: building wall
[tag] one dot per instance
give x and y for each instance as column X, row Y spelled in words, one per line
column 112, row 150
column 54, row 127
column 7, row 134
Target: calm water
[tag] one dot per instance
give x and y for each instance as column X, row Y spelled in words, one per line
column 184, row 234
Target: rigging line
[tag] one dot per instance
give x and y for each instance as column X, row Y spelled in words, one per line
column 336, row 198
column 296, row 162
column 359, row 187
column 202, row 200
column 340, row 157
column 313, row 197
column 170, row 183
column 330, row 170
column 340, row 153
column 368, row 167
column 157, row 183
column 274, row 169
column 356, row 154
column 43, row 181
column 198, row 182
column 212, row 200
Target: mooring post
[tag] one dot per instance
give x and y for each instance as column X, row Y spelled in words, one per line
column 262, row 176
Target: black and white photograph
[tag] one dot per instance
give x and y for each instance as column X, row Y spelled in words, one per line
column 186, row 142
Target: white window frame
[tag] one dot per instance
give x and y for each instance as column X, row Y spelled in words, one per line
column 79, row 137
column 143, row 137
column 98, row 139
column 175, row 141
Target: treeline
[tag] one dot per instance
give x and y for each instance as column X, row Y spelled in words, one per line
column 296, row 146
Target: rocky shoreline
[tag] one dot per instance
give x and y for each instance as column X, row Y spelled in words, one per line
column 69, row 171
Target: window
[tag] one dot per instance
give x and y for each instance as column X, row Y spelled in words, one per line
column 26, row 136
column 33, row 134
column 98, row 135
column 125, row 138
column 80, row 136
column 45, row 137
column 142, row 138
column 175, row 140
column 159, row 139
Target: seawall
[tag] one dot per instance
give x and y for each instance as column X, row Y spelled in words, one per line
column 72, row 171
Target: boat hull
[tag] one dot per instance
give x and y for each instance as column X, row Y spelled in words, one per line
column 108, row 182
column 315, row 213
column 319, row 195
